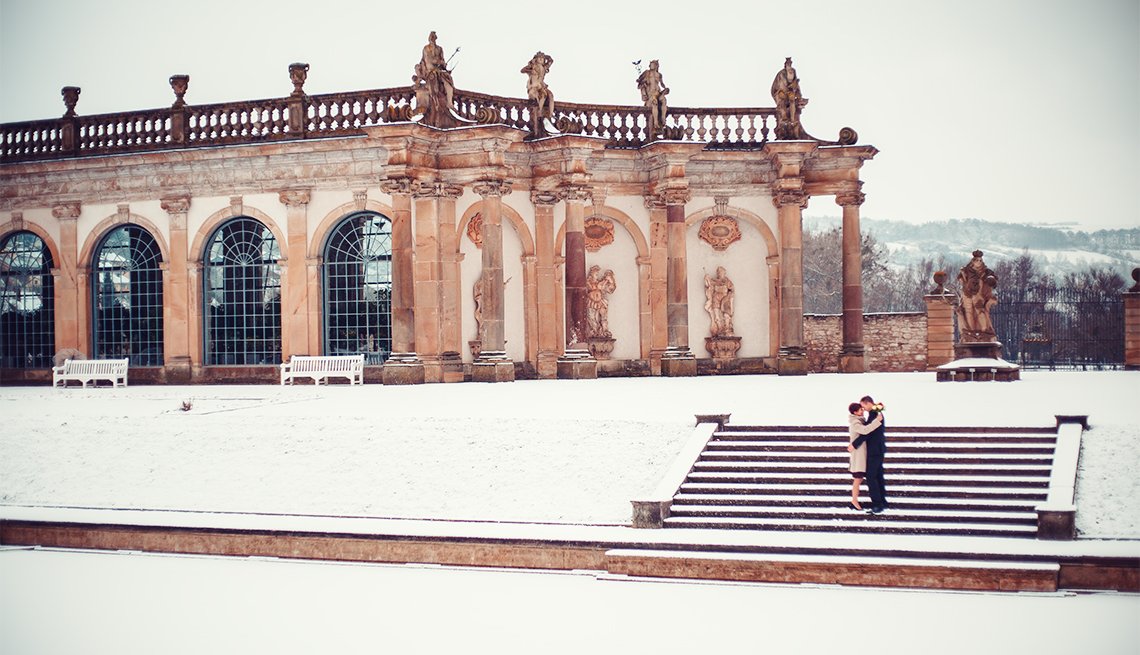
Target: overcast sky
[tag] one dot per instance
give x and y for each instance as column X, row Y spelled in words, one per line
column 1010, row 110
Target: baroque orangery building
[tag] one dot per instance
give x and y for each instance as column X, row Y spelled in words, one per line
column 445, row 234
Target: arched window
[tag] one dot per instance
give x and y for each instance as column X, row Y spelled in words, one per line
column 242, row 295
column 127, row 297
column 357, row 284
column 27, row 302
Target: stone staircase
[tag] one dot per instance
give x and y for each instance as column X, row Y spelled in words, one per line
column 940, row 481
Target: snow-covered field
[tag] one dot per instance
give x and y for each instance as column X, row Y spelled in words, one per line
column 542, row 451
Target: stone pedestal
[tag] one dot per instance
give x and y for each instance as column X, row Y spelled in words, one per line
column 452, row 364
column 852, row 359
column 678, row 362
column 602, row 348
column 792, row 361
column 722, row 349
column 178, row 370
column 577, row 365
column 977, row 350
column 402, row 368
column 493, row 366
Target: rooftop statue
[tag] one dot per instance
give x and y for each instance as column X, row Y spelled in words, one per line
column 539, row 94
column 976, row 284
column 653, row 92
column 789, row 102
column 433, row 83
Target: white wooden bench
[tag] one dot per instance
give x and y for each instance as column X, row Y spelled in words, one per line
column 90, row 370
column 321, row 368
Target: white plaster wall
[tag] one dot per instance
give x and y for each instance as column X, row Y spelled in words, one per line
column 621, row 257
column 471, row 266
column 744, row 262
column 761, row 206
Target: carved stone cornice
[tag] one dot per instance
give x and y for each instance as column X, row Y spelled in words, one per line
column 492, row 188
column 176, row 204
column 66, row 211
column 575, row 193
column 398, row 186
column 544, row 198
column 294, row 197
column 437, row 190
column 850, row 198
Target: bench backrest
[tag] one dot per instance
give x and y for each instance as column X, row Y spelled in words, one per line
column 95, row 366
column 305, row 363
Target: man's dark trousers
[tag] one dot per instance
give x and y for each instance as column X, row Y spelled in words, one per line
column 876, row 449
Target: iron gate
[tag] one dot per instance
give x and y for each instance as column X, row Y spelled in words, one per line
column 1064, row 328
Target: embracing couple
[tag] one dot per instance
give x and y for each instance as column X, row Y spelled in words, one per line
column 868, row 444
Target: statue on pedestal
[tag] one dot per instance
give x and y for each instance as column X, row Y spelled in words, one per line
column 653, row 92
column 976, row 284
column 540, row 95
column 599, row 286
column 789, row 102
column 432, row 80
column 719, row 303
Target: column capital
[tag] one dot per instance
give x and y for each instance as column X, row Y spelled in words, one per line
column 66, row 211
column 399, row 186
column 654, row 202
column 544, row 198
column 492, row 188
column 437, row 190
column 676, row 196
column 294, row 197
column 575, row 193
column 787, row 197
column 175, row 204
column 850, row 198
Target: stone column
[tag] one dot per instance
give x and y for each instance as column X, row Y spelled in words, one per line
column 576, row 361
column 658, row 282
column 295, row 291
column 677, row 360
column 1132, row 324
column 549, row 348
column 851, row 358
column 403, row 365
column 176, row 301
column 493, row 365
column 434, row 204
column 792, row 358
column 68, row 306
column 939, row 324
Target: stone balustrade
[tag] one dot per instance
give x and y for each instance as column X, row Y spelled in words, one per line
column 343, row 114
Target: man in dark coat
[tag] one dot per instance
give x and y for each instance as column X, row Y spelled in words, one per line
column 876, row 449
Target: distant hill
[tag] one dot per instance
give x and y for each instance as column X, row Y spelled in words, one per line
column 1058, row 249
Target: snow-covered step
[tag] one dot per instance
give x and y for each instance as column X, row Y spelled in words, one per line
column 892, row 479
column 840, row 499
column 918, row 570
column 776, row 465
column 839, row 453
column 874, row 524
column 895, row 513
column 920, row 447
column 916, row 491
column 893, row 437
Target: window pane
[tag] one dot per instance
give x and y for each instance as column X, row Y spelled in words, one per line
column 357, row 287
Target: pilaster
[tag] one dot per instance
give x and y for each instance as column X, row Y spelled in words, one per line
column 403, row 365
column 434, row 205
column 546, row 283
column 576, row 361
column 176, row 309
column 677, row 360
column 295, row 294
column 67, row 306
column 492, row 364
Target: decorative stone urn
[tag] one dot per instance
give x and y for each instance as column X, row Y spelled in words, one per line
column 722, row 348
column 602, row 348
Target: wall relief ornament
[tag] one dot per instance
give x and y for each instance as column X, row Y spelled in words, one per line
column 475, row 231
column 599, row 232
column 719, row 232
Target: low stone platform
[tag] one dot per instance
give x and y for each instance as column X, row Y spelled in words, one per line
column 978, row 369
column 989, row 564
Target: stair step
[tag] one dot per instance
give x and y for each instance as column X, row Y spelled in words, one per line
column 893, row 447
column 872, row 524
column 909, row 491
column 777, row 466
column 840, row 499
column 895, row 513
column 839, row 453
column 846, row 569
column 893, row 480
column 892, row 437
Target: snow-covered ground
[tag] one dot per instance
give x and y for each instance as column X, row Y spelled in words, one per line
column 542, row 451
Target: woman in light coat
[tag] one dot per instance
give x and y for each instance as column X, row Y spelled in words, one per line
column 855, row 428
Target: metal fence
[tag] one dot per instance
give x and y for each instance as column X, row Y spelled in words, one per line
column 1062, row 329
